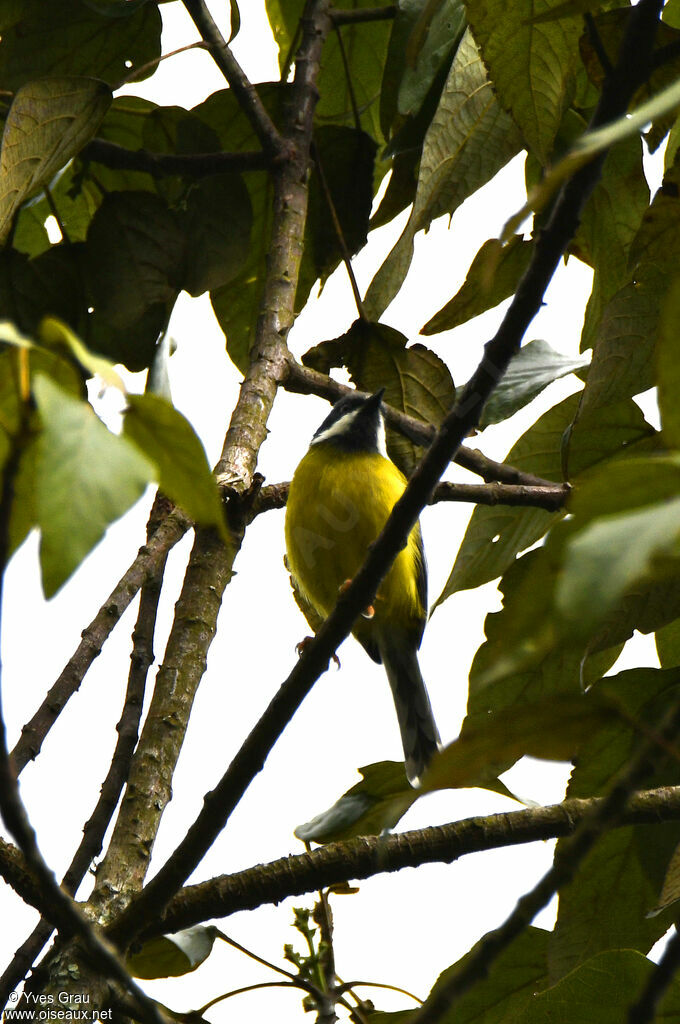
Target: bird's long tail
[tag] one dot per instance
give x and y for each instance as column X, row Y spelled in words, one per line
column 419, row 733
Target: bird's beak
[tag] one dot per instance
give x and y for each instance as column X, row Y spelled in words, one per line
column 374, row 401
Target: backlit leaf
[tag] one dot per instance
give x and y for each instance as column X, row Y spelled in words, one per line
column 49, row 121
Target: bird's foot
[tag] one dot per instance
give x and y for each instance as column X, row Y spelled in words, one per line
column 368, row 612
column 305, row 642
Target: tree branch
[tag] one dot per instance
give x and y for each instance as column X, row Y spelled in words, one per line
column 302, row 380
column 550, row 497
column 356, row 17
column 143, row 568
column 127, row 728
column 159, row 165
column 244, row 91
column 60, row 908
column 247, row 431
column 367, row 856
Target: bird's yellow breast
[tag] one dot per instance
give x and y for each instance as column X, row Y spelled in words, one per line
column 337, row 505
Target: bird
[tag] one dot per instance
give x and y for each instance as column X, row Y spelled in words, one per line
column 339, row 499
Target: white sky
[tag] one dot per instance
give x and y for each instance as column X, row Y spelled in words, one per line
column 400, row 929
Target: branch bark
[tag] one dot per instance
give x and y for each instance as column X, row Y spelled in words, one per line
column 368, row 856
column 160, row 165
column 150, row 556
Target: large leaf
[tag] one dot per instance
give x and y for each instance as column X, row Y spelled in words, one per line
column 340, row 195
column 496, row 534
column 607, row 904
column 48, row 122
column 532, row 63
column 530, row 371
column 366, row 809
column 71, row 39
column 493, row 276
column 625, row 530
column 469, row 140
column 668, row 365
column 216, row 221
column 134, row 252
column 512, row 982
column 86, row 477
column 601, row 991
column 427, row 36
column 170, row 442
column 172, row 955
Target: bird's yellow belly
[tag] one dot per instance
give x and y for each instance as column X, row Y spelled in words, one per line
column 336, row 509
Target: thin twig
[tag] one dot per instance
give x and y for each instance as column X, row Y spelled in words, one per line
column 127, row 728
column 93, row 637
column 348, row 78
column 339, row 234
column 63, row 912
column 550, row 497
column 135, row 74
column 243, row 89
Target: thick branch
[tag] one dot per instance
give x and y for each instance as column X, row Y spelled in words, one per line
column 159, row 165
column 304, row 381
column 143, row 568
column 243, row 89
column 373, row 855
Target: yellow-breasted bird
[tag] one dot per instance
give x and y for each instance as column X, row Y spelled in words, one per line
column 340, row 497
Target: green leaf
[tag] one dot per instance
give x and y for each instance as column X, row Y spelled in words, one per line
column 86, row 477
column 512, row 982
column 49, row 285
column 496, row 534
column 668, row 365
column 469, row 140
column 617, row 884
column 134, row 256
column 49, row 121
column 601, row 991
column 623, row 363
column 552, row 730
column 172, row 955
column 422, row 43
column 346, row 160
column 170, row 442
column 416, row 380
column 530, row 371
column 57, row 335
column 114, row 8
column 216, row 222
column 612, row 554
column 532, row 64
column 493, row 276
column 75, row 200
column 364, row 810
column 70, row 39
column 668, row 644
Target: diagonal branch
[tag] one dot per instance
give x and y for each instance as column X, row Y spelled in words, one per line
column 127, row 728
column 150, row 556
column 246, row 94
